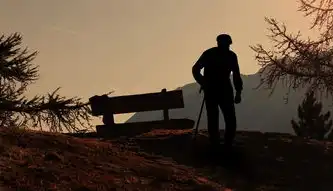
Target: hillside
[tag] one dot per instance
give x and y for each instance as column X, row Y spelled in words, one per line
column 252, row 113
column 44, row 161
column 162, row 160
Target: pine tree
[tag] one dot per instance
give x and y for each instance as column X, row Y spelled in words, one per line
column 52, row 111
column 312, row 123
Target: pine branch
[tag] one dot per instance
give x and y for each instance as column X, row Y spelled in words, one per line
column 14, row 62
column 52, row 111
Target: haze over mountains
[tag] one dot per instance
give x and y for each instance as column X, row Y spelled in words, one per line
column 257, row 112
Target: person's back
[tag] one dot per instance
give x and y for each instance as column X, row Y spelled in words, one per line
column 218, row 63
column 218, row 68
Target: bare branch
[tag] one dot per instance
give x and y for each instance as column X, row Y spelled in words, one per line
column 294, row 61
column 322, row 12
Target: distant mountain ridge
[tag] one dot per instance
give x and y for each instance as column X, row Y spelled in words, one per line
column 257, row 112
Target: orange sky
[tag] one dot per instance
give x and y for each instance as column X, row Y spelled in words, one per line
column 90, row 47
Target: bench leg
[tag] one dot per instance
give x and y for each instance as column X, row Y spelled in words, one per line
column 166, row 115
column 108, row 119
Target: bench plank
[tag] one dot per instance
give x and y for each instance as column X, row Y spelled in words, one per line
column 139, row 103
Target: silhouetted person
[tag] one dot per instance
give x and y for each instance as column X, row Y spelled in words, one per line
column 218, row 63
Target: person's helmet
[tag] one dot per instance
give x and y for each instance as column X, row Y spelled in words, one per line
column 224, row 39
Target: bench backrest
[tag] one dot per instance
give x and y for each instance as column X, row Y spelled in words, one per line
column 101, row 105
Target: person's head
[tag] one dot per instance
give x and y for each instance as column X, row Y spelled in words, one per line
column 224, row 41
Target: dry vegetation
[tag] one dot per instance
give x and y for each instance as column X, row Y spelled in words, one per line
column 41, row 161
column 162, row 160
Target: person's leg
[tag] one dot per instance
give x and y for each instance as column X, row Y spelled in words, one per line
column 213, row 120
column 228, row 110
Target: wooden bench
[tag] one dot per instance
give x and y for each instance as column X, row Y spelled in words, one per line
column 164, row 100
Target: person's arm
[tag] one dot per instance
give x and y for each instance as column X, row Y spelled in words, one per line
column 196, row 69
column 238, row 82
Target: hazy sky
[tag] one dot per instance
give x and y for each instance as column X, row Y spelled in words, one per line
column 90, row 47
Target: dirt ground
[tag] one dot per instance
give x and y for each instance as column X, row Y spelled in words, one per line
column 162, row 160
